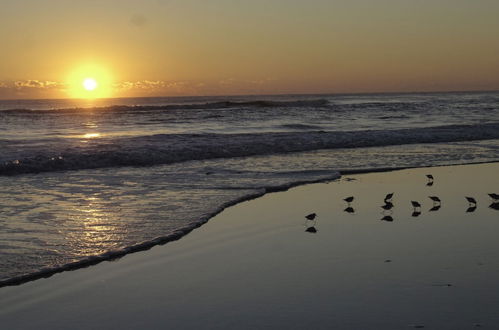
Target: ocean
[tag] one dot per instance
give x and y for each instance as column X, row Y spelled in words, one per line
column 84, row 181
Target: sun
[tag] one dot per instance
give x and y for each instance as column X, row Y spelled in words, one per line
column 90, row 81
column 90, row 84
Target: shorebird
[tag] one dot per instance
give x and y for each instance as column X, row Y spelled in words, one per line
column 388, row 198
column 349, row 199
column 494, row 206
column 416, row 205
column 471, row 200
column 435, row 200
column 495, row 197
column 311, row 216
column 349, row 210
column 388, row 218
column 388, row 206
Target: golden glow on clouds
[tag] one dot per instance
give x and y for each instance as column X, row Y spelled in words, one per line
column 246, row 47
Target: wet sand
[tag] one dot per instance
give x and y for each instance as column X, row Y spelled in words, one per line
column 259, row 265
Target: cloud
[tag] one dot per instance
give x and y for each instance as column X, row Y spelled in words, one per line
column 150, row 85
column 141, row 85
column 38, row 84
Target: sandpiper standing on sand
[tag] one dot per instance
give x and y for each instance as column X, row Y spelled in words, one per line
column 471, row 201
column 349, row 199
column 436, row 200
column 495, row 197
column 311, row 216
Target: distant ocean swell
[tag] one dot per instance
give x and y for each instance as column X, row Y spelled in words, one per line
column 189, row 106
column 173, row 148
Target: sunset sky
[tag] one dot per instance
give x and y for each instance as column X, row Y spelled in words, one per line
column 213, row 47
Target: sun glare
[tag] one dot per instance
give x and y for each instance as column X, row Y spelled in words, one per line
column 89, row 84
column 89, row 81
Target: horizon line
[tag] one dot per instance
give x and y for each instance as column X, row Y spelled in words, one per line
column 264, row 94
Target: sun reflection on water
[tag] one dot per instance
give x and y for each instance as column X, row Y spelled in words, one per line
column 91, row 135
column 98, row 227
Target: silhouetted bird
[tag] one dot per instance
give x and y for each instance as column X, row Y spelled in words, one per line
column 388, row 198
column 435, row 199
column 494, row 196
column 494, row 206
column 471, row 209
column 430, row 177
column 349, row 210
column 435, row 208
column 471, row 200
column 415, row 205
column 311, row 216
column 387, row 218
column 416, row 214
column 387, row 206
column 349, row 199
column 311, row 230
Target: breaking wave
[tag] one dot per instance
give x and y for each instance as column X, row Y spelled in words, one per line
column 173, row 148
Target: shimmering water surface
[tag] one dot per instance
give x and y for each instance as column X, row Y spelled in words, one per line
column 81, row 179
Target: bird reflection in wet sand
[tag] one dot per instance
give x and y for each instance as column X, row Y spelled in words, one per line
column 435, row 208
column 388, row 218
column 494, row 206
column 349, row 209
column 311, row 229
column 471, row 209
column 416, row 214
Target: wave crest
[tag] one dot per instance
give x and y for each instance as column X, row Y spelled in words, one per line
column 189, row 106
column 173, row 148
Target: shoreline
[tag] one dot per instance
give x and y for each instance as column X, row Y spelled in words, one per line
column 183, row 232
column 147, row 245
column 256, row 265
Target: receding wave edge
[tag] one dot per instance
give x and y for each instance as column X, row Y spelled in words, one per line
column 173, row 236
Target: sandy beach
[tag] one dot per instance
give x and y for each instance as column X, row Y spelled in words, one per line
column 257, row 265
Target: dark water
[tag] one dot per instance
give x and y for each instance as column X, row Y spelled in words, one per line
column 80, row 179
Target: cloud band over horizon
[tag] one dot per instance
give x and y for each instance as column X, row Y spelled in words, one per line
column 194, row 47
